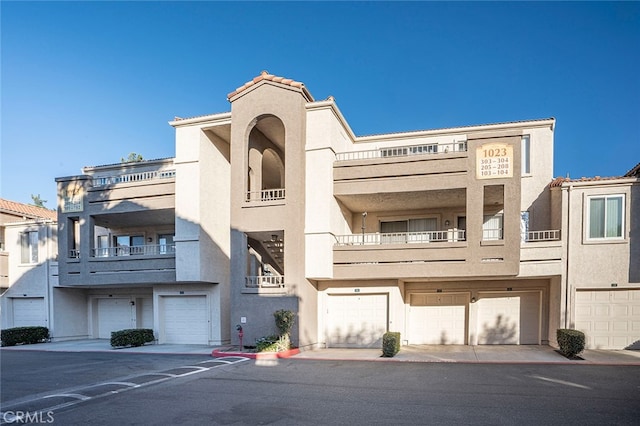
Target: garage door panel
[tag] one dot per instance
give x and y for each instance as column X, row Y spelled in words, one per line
column 185, row 320
column 512, row 318
column 29, row 312
column 113, row 315
column 438, row 319
column 356, row 320
column 609, row 318
column 439, row 325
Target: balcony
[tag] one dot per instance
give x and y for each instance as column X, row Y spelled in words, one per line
column 410, row 169
column 124, row 265
column 537, row 236
column 146, row 250
column 275, row 194
column 541, row 253
column 133, row 177
column 452, row 235
column 265, row 284
column 403, row 151
column 395, row 252
column 265, row 281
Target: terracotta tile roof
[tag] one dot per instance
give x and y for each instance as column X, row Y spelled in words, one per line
column 264, row 75
column 634, row 172
column 26, row 210
column 560, row 180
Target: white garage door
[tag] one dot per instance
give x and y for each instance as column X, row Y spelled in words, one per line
column 356, row 321
column 114, row 314
column 509, row 319
column 437, row 319
column 185, row 320
column 29, row 312
column 609, row 319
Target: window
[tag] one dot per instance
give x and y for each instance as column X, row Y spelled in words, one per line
column 526, row 155
column 29, row 247
column 524, row 226
column 103, row 246
column 605, row 216
column 492, row 227
column 166, row 243
column 411, row 230
column 493, row 212
column 73, row 237
column 129, row 244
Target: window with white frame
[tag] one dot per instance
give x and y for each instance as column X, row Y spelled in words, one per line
column 492, row 227
column 29, row 247
column 606, row 217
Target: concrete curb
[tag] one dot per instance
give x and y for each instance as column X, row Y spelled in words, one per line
column 256, row 355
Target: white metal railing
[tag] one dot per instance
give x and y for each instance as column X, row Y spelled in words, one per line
column 547, row 235
column 74, row 254
column 401, row 238
column 133, row 177
column 491, row 234
column 148, row 250
column 266, row 195
column 265, row 281
column 402, row 151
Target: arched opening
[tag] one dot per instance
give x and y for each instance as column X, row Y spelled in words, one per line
column 272, row 170
column 266, row 162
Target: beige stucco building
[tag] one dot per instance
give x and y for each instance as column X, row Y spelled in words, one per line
column 28, row 263
column 449, row 236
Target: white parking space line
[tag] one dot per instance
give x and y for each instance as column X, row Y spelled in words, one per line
column 11, row 413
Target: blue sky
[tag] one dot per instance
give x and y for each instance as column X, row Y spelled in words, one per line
column 85, row 83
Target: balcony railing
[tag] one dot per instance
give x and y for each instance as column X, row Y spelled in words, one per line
column 548, row 235
column 133, row 177
column 403, row 151
column 401, row 238
column 148, row 250
column 265, row 281
column 266, row 195
column 492, row 234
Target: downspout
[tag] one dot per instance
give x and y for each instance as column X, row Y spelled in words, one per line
column 568, row 233
column 48, row 241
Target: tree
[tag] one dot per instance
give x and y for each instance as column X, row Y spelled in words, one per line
column 132, row 158
column 37, row 201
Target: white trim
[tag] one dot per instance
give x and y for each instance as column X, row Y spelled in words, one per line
column 587, row 216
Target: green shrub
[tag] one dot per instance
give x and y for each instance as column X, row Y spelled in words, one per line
column 284, row 320
column 571, row 342
column 390, row 343
column 24, row 335
column 131, row 337
column 273, row 343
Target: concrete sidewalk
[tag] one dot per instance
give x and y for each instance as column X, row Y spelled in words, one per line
column 508, row 354
column 104, row 345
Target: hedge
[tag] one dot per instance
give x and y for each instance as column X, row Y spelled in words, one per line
column 273, row 343
column 24, row 335
column 390, row 343
column 571, row 342
column 131, row 337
